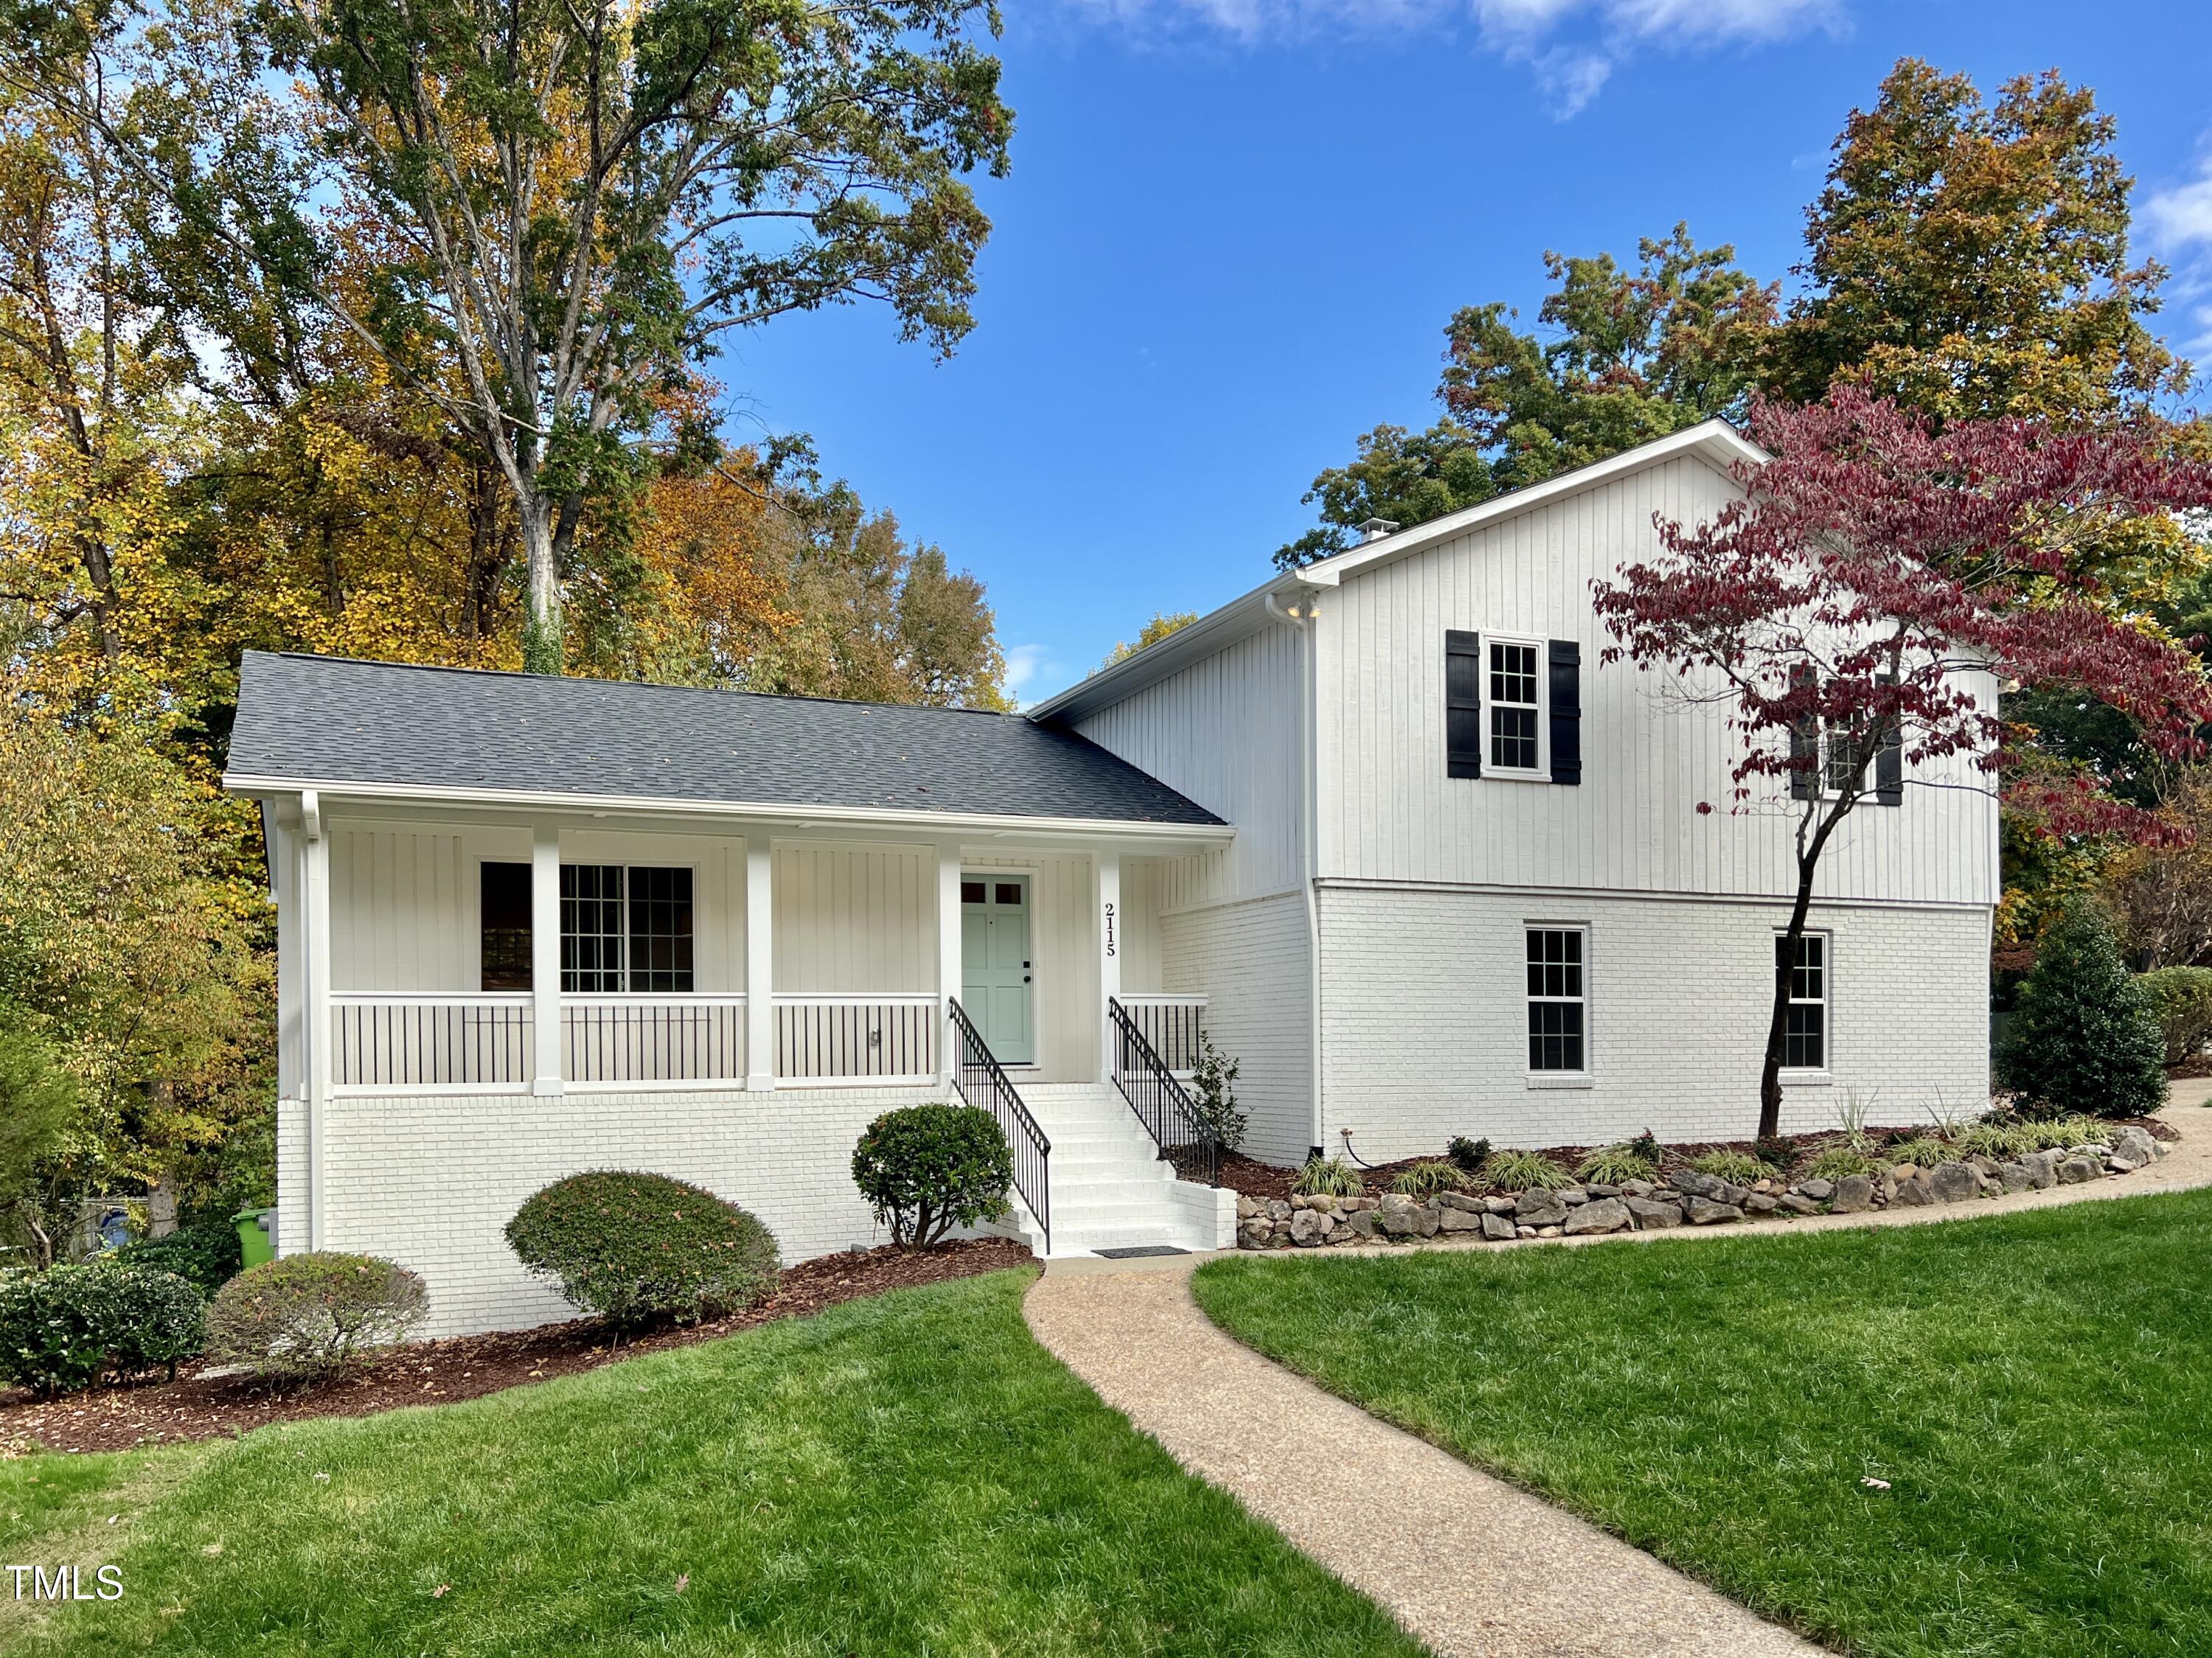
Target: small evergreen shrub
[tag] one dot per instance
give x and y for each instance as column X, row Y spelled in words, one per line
column 1467, row 1156
column 302, row 1317
column 1326, row 1177
column 65, row 1327
column 1213, row 1096
column 1834, row 1162
column 1646, row 1146
column 643, row 1248
column 1609, row 1165
column 208, row 1254
column 1426, row 1180
column 2181, row 997
column 1523, row 1171
column 2085, row 1035
column 1740, row 1168
column 927, row 1169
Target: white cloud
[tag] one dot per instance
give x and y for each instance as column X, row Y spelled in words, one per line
column 2180, row 221
column 1572, row 46
column 1026, row 665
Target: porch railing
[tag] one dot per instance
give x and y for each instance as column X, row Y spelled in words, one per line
column 1158, row 1100
column 479, row 1041
column 870, row 1038
column 982, row 1082
column 1171, row 1025
column 645, row 1039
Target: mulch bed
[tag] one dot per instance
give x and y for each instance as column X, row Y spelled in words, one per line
column 1252, row 1179
column 197, row 1407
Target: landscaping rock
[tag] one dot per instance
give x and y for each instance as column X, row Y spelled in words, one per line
column 1599, row 1215
column 1397, row 1217
column 1499, row 1206
column 1573, row 1196
column 1248, row 1207
column 1653, row 1214
column 1496, row 1228
column 1524, row 1231
column 1797, row 1203
column 2133, row 1147
column 1459, row 1220
column 1362, row 1223
column 1256, row 1234
column 1547, row 1231
column 1600, row 1189
column 1761, row 1203
column 1708, row 1187
column 2015, row 1176
column 1907, row 1187
column 1854, row 1194
column 1637, row 1188
column 1308, row 1228
column 2042, row 1169
column 1461, row 1200
column 1426, row 1219
column 1817, row 1189
column 1953, row 1182
column 1539, row 1208
column 1704, row 1212
column 1339, row 1237
column 1278, row 1210
column 2076, row 1169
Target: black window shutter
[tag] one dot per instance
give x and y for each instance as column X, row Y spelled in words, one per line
column 1889, row 762
column 1462, row 704
column 1567, row 711
column 1804, row 745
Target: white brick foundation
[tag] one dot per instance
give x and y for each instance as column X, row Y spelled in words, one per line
column 431, row 1182
column 1424, row 1016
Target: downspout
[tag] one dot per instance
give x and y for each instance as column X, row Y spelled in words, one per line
column 1301, row 620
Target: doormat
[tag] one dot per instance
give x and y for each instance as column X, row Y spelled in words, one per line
column 1135, row 1250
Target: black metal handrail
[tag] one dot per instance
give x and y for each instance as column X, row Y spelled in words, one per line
column 1160, row 1103
column 982, row 1082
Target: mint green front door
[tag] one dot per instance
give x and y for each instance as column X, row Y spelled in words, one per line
column 995, row 963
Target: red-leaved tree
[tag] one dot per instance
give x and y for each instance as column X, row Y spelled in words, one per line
column 1858, row 607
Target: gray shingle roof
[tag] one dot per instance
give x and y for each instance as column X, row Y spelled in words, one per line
column 333, row 721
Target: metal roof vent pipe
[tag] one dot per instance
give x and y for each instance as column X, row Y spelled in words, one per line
column 1373, row 529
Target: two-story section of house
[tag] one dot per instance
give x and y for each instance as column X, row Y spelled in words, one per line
column 1485, row 883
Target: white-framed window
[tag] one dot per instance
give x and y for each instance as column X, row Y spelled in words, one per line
column 1514, row 670
column 1558, row 999
column 1805, row 1017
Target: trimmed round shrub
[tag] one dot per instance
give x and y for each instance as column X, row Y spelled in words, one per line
column 300, row 1318
column 643, row 1249
column 208, row 1254
column 2181, row 997
column 67, row 1327
column 927, row 1169
column 2084, row 1036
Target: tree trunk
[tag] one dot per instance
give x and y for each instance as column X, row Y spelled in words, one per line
column 541, row 623
column 1778, row 1023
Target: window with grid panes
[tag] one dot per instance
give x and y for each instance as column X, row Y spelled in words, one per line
column 1557, row 1002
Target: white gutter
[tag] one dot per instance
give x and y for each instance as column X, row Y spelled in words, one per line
column 1302, row 620
column 331, row 790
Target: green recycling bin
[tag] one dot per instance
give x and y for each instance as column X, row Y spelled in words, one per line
column 257, row 1235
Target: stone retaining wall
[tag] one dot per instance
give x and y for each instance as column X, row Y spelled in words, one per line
column 1686, row 1198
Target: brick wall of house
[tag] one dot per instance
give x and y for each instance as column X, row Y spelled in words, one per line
column 430, row 1182
column 1425, row 1027
column 1249, row 959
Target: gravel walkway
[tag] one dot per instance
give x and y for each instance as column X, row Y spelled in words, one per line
column 1467, row 1563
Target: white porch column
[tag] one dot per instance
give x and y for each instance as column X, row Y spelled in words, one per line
column 1109, row 865
column 760, row 963
column 546, row 957
column 948, row 959
column 315, row 873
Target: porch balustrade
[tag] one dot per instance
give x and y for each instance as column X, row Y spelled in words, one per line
column 881, row 1039
column 481, row 1042
column 649, row 1039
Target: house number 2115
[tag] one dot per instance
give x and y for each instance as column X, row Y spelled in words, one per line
column 1109, row 929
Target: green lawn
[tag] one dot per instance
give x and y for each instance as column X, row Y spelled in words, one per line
column 2037, row 1388
column 907, row 1474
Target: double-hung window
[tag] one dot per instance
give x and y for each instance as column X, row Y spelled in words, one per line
column 1557, row 1000
column 1517, row 709
column 624, row 927
column 1804, row 1014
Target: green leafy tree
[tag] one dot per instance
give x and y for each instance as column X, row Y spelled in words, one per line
column 1163, row 624
column 1633, row 355
column 1971, row 260
column 2085, row 1035
column 38, row 1107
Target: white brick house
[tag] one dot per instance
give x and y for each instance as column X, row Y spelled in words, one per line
column 1384, row 826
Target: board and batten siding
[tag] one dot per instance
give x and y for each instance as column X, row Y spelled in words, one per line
column 1224, row 733
column 1650, row 755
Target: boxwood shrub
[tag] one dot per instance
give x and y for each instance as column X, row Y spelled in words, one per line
column 2181, row 997
column 208, row 1254
column 301, row 1318
column 643, row 1248
column 67, row 1327
column 927, row 1169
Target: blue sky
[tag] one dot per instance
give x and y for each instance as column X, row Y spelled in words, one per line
column 1234, row 229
